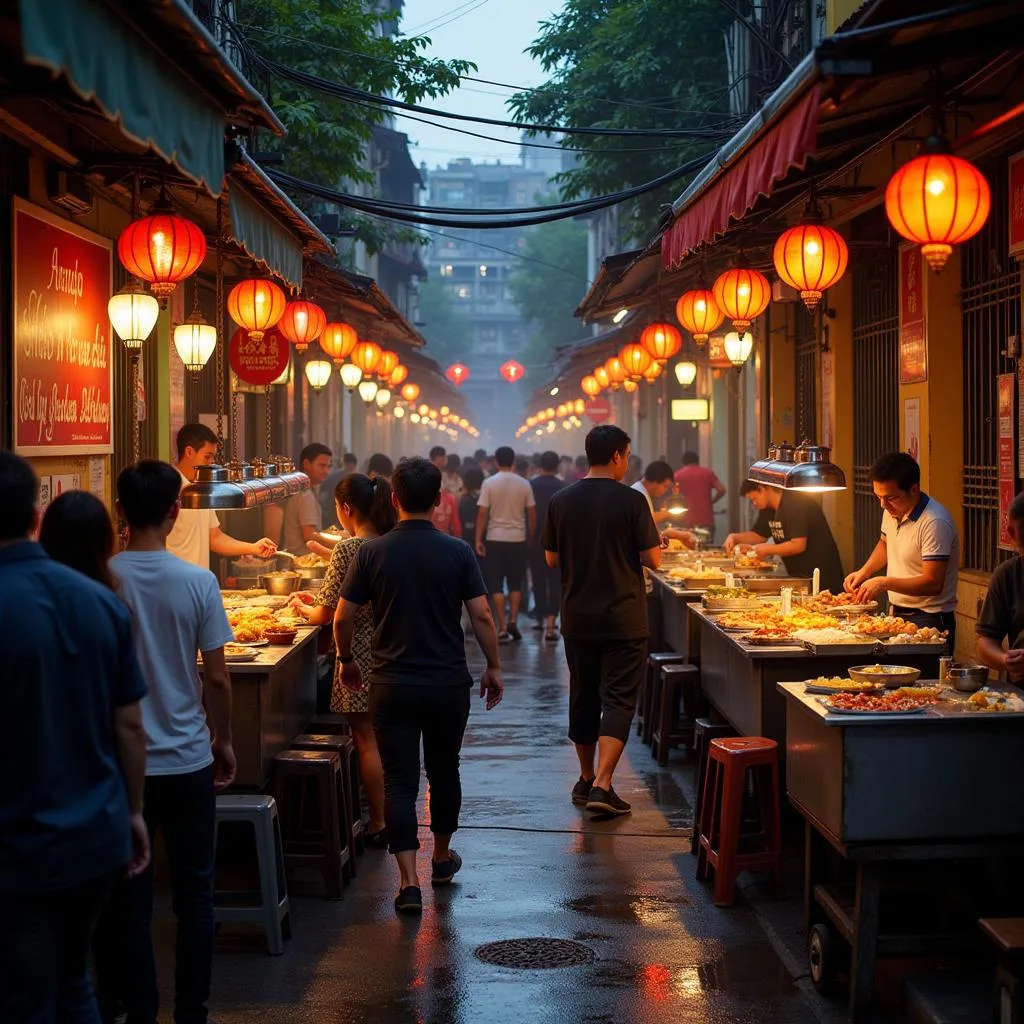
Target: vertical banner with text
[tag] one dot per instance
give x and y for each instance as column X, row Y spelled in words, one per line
column 62, row 379
column 913, row 350
column 1006, row 384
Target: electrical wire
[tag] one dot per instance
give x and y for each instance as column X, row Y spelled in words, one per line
column 485, row 219
column 507, row 252
column 425, row 26
column 323, row 85
column 315, row 44
column 458, row 17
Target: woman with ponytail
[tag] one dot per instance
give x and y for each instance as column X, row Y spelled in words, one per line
column 364, row 508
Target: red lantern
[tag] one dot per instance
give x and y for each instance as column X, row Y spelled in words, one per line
column 302, row 323
column 398, row 375
column 590, row 385
column 512, row 371
column 635, row 358
column 163, row 249
column 698, row 312
column 388, row 361
column 366, row 356
column 742, row 294
column 411, row 391
column 662, row 341
column 937, row 200
column 457, row 373
column 811, row 258
column 616, row 372
column 338, row 341
column 257, row 305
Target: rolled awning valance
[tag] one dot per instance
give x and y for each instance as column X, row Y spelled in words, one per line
column 108, row 63
column 263, row 237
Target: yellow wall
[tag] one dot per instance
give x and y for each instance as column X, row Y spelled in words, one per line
column 837, row 11
column 782, row 375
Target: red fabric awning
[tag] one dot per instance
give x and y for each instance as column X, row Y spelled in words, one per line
column 770, row 157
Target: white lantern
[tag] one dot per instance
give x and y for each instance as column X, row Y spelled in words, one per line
column 318, row 373
column 686, row 373
column 738, row 347
column 383, row 397
column 195, row 341
column 368, row 391
column 414, row 417
column 351, row 375
column 399, row 412
column 133, row 313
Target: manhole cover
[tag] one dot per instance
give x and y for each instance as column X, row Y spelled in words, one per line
column 534, row 953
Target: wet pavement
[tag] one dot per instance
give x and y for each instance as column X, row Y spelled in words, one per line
column 535, row 866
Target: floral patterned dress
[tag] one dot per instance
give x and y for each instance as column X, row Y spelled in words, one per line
column 343, row 700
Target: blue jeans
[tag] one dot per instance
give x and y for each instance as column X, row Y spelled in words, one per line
column 182, row 808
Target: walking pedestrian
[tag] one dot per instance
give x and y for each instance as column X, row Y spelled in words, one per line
column 506, row 522
column 601, row 535
column 546, row 585
column 446, row 514
column 366, row 512
column 177, row 611
column 73, row 762
column 452, row 476
column 417, row 580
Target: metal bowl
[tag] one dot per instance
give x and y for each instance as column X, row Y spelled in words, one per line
column 892, row 676
column 967, row 678
column 280, row 584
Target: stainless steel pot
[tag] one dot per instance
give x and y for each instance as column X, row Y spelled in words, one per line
column 967, row 678
column 280, row 584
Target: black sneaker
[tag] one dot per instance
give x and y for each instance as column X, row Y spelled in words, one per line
column 513, row 631
column 444, row 871
column 409, row 900
column 581, row 791
column 377, row 840
column 607, row 801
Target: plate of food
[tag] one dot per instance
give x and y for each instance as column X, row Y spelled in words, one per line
column 803, row 618
column 740, row 622
column 875, row 704
column 839, row 684
column 891, row 676
column 237, row 653
column 880, row 627
column 769, row 636
column 250, row 624
column 990, row 700
column 920, row 635
column 753, row 562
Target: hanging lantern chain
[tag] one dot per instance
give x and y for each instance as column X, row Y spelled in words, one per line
column 268, row 419
column 219, row 353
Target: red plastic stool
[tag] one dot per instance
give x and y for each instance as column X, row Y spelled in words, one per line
column 725, row 843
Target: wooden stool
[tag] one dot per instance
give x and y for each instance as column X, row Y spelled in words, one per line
column 330, row 725
column 645, row 705
column 1007, row 935
column 345, row 747
column 721, row 825
column 704, row 731
column 675, row 706
column 272, row 910
column 317, row 843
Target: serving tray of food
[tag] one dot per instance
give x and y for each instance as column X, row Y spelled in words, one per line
column 830, row 685
column 885, row 704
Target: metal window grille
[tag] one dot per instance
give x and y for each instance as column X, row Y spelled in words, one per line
column 990, row 296
column 806, row 376
column 876, row 425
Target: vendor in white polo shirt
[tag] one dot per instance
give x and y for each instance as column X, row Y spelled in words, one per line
column 919, row 549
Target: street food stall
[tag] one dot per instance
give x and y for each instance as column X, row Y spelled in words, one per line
column 889, row 777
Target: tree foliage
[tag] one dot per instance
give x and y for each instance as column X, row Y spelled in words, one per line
column 635, row 64
column 445, row 327
column 339, row 40
column 546, row 298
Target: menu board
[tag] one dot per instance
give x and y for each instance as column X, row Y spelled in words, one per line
column 62, row 379
column 913, row 350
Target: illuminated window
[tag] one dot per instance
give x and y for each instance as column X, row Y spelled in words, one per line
column 483, row 269
column 463, row 292
column 446, row 270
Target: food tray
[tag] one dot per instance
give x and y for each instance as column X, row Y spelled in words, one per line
column 851, row 649
column 889, row 648
column 251, row 643
column 238, row 659
column 861, row 713
column 716, row 605
column 850, row 609
column 773, row 584
column 762, row 641
column 689, row 583
column 832, row 691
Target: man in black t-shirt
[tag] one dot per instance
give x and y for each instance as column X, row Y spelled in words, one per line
column 545, row 577
column 798, row 533
column 601, row 534
column 417, row 580
column 1002, row 617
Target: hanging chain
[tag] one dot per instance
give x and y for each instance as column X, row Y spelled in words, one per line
column 219, row 324
column 269, row 418
column 236, row 414
column 136, row 440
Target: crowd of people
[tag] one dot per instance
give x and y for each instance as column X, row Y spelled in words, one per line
column 120, row 738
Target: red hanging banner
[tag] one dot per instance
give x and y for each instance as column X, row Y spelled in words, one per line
column 62, row 374
column 913, row 350
column 1006, row 385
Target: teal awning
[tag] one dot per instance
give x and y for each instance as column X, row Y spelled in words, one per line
column 262, row 236
column 108, row 63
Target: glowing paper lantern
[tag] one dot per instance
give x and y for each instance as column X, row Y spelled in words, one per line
column 457, row 373
column 616, row 372
column 590, row 385
column 318, row 373
column 366, row 355
column 302, row 322
column 635, row 358
column 601, row 376
column 410, row 392
column 698, row 312
column 512, row 371
column 686, row 372
column 388, row 361
column 338, row 341
column 937, row 200
column 662, row 341
column 811, row 258
column 257, row 305
column 398, row 375
column 742, row 294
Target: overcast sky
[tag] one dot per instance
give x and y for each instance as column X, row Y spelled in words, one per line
column 493, row 34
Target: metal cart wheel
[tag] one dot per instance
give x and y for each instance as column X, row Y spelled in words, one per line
column 821, row 957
